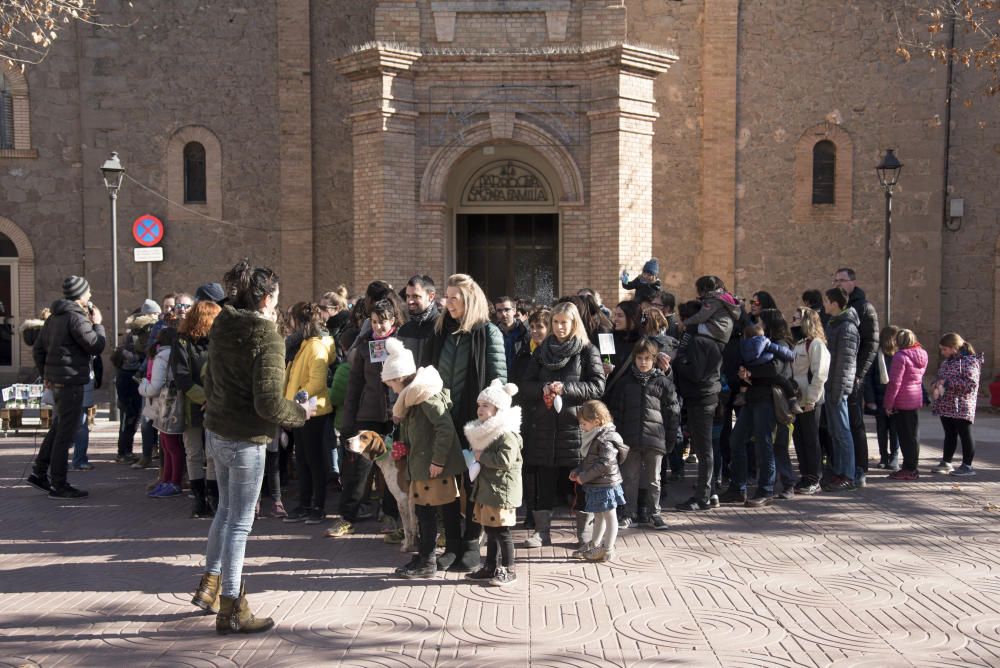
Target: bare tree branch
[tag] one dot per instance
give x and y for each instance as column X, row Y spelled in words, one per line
column 29, row 27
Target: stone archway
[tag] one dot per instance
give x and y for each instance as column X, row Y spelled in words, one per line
column 25, row 270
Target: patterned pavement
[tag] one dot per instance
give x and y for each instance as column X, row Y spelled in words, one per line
column 898, row 574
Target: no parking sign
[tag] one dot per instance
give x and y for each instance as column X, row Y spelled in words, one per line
column 147, row 230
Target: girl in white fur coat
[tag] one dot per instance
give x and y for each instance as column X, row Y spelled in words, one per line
column 495, row 439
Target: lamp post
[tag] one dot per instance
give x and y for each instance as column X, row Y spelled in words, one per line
column 114, row 174
column 888, row 174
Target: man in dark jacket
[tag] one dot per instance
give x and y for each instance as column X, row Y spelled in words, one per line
column 696, row 374
column 70, row 337
column 867, row 348
column 843, row 340
column 418, row 332
column 515, row 333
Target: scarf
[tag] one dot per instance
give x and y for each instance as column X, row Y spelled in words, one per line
column 554, row 355
column 430, row 313
column 424, row 385
column 588, row 438
column 643, row 378
column 376, row 337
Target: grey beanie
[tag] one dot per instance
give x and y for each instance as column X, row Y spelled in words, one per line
column 74, row 287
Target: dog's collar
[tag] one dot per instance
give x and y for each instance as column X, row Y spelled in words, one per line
column 382, row 456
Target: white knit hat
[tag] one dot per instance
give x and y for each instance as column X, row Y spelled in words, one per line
column 400, row 362
column 498, row 394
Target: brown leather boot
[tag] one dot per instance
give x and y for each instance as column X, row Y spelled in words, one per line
column 235, row 616
column 207, row 595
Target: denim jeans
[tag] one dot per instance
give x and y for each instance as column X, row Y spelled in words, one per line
column 199, row 466
column 81, row 442
column 841, row 441
column 756, row 419
column 239, row 469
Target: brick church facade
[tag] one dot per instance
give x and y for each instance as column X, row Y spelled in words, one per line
column 540, row 145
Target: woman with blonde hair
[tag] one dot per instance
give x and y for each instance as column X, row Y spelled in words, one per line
column 468, row 352
column 903, row 398
column 565, row 372
column 954, row 400
column 810, row 369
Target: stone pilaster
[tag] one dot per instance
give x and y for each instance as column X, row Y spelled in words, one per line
column 383, row 122
column 621, row 162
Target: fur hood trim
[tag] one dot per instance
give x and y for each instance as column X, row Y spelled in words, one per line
column 481, row 434
column 139, row 321
column 31, row 323
column 424, row 385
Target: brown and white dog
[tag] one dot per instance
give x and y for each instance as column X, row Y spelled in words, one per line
column 371, row 445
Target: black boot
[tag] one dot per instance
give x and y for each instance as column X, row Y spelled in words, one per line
column 423, row 568
column 212, row 497
column 452, row 548
column 199, row 507
column 469, row 558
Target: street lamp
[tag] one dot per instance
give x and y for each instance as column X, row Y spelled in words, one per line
column 888, row 174
column 114, row 174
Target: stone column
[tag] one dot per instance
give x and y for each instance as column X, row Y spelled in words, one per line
column 621, row 164
column 383, row 124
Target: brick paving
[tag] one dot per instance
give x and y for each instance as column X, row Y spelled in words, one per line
column 898, row 574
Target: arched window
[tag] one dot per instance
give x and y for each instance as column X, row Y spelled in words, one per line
column 6, row 114
column 194, row 173
column 824, row 172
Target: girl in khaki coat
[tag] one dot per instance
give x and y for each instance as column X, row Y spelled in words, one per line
column 496, row 444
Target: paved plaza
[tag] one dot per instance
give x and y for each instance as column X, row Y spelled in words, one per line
column 898, row 574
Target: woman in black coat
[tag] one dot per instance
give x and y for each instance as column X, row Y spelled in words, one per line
column 566, row 372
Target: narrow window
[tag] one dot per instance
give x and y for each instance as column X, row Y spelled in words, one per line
column 194, row 173
column 824, row 171
column 6, row 115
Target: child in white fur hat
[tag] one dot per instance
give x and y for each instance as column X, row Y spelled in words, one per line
column 495, row 439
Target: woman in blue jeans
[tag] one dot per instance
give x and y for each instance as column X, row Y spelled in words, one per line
column 244, row 381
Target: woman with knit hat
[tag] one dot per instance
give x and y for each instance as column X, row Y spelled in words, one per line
column 434, row 454
column 495, row 440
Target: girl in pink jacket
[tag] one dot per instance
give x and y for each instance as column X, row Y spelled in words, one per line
column 903, row 397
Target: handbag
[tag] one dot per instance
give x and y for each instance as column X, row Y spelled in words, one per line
column 169, row 409
column 782, row 411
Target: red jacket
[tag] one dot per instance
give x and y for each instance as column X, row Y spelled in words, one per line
column 905, row 389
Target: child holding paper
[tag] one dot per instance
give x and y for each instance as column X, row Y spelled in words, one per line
column 496, row 444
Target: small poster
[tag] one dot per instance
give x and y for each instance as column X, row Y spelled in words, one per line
column 36, row 391
column 377, row 352
column 8, row 393
column 607, row 343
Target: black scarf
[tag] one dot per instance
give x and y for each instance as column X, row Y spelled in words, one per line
column 643, row 378
column 430, row 313
column 554, row 355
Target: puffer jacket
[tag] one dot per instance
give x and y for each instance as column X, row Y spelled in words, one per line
column 498, row 444
column 811, row 359
column 244, row 379
column 867, row 330
column 468, row 362
column 309, row 369
column 367, row 397
column 187, row 358
column 646, row 410
column 554, row 438
column 905, row 391
column 960, row 374
column 696, row 369
column 842, row 341
column 717, row 317
column 600, row 466
column 68, row 340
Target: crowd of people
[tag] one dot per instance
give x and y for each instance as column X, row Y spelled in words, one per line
column 494, row 410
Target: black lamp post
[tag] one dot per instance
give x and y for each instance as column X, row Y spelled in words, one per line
column 888, row 174
column 114, row 174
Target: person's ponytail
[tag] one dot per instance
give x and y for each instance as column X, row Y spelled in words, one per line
column 955, row 340
column 249, row 285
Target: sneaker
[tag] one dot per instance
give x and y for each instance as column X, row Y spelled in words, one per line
column 581, row 552
column 278, row 510
column 658, row 523
column 807, row 490
column 142, row 463
column 904, row 475
column 341, row 528
column 643, row 518
column 394, row 537
column 600, row 554
column 503, row 577
column 691, row 459
column 943, row 467
column 316, row 516
column 82, row 467
column 156, row 489
column 693, row 504
column 626, row 523
column 838, row 484
column 964, row 470
column 484, row 573
column 39, row 482
column 67, row 492
column 167, row 490
column 759, row 501
column 126, row 459
column 412, row 563
column 713, row 501
column 388, row 524
column 418, row 569
column 298, row 514
column 786, row 494
column 733, row 495
column 861, row 481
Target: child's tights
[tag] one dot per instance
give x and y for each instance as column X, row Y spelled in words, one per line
column 499, row 541
column 173, row 457
column 606, row 528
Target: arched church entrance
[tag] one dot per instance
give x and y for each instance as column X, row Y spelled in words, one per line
column 9, row 349
column 507, row 229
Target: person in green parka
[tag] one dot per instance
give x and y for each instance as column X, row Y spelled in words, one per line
column 495, row 440
column 434, row 454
